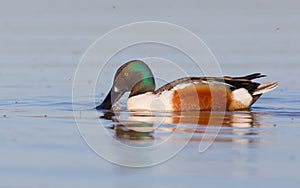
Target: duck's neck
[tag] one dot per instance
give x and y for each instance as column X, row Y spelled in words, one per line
column 144, row 86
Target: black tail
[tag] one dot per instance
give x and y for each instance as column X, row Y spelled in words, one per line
column 244, row 82
column 248, row 77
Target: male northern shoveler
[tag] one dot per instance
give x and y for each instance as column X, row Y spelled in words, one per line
column 184, row 94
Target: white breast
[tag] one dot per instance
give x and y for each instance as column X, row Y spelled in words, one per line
column 150, row 102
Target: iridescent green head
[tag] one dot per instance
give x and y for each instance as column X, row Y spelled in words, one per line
column 134, row 77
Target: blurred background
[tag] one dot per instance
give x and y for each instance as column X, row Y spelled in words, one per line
column 42, row 41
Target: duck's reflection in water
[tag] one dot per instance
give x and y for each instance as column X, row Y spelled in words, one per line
column 238, row 127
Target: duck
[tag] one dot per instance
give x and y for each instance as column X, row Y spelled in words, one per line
column 184, row 94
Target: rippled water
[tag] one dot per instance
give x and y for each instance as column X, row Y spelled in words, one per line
column 41, row 140
column 41, row 44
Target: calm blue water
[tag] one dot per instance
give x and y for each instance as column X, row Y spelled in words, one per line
column 43, row 147
column 41, row 44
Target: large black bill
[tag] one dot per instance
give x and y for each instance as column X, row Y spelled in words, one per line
column 111, row 98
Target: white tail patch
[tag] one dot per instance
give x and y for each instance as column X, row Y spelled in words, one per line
column 243, row 96
column 266, row 87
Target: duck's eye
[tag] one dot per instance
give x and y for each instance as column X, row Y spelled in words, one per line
column 126, row 74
